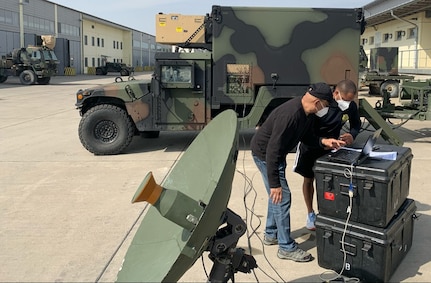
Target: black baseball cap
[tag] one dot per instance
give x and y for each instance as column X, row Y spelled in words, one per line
column 321, row 91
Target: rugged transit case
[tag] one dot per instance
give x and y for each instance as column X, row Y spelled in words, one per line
column 372, row 254
column 379, row 186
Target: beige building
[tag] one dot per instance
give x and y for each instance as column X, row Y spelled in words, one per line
column 404, row 24
column 105, row 42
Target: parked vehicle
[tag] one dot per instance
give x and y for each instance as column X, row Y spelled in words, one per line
column 34, row 64
column 121, row 68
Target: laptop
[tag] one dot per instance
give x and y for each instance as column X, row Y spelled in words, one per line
column 348, row 156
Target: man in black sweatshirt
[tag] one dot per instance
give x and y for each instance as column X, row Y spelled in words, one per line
column 340, row 110
column 288, row 124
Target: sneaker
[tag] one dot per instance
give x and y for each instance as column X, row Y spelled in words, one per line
column 270, row 241
column 298, row 255
column 311, row 218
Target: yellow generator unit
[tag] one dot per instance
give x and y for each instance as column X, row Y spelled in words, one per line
column 177, row 28
column 48, row 41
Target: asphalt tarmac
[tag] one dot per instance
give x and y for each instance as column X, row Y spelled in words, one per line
column 66, row 215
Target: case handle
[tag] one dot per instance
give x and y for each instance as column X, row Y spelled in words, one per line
column 350, row 249
column 344, row 189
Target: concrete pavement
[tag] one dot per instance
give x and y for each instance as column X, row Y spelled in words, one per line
column 66, row 216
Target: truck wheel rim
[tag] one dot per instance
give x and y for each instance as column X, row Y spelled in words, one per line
column 106, row 131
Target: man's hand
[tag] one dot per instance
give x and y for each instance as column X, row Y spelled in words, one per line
column 275, row 195
column 333, row 143
column 348, row 138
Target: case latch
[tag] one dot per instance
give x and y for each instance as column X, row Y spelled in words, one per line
column 327, row 235
column 366, row 247
column 327, row 182
column 368, row 185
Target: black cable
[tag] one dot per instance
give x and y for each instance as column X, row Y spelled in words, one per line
column 248, row 189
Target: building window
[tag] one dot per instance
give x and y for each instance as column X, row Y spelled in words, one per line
column 98, row 41
column 98, row 62
column 92, row 40
column 387, row 36
column 93, row 62
column 412, row 33
column 400, row 34
column 117, row 45
column 103, row 43
column 65, row 28
column 31, row 22
column 371, row 40
column 85, row 40
column 364, row 41
column 85, row 62
column 114, row 43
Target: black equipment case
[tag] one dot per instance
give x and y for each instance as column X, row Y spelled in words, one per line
column 379, row 186
column 372, row 254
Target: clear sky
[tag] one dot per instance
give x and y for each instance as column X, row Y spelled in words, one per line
column 140, row 14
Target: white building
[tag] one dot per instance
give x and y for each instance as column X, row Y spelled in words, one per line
column 405, row 24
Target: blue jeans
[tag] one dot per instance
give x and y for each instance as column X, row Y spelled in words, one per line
column 278, row 215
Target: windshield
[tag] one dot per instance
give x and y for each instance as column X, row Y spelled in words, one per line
column 35, row 54
column 45, row 55
column 49, row 55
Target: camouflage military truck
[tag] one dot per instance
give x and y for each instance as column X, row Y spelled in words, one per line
column 121, row 68
column 249, row 59
column 383, row 72
column 34, row 64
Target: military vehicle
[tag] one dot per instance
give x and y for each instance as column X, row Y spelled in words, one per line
column 34, row 64
column 412, row 103
column 122, row 68
column 249, row 59
column 383, row 79
column 383, row 72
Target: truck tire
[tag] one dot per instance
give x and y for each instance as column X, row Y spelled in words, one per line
column 43, row 81
column 391, row 86
column 27, row 77
column 99, row 71
column 3, row 79
column 374, row 88
column 106, row 129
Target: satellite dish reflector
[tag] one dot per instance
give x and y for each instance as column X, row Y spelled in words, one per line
column 187, row 208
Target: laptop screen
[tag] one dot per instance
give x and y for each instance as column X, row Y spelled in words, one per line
column 371, row 141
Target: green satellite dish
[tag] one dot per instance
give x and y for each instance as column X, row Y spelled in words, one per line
column 187, row 210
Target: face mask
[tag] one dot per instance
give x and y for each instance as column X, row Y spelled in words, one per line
column 322, row 112
column 342, row 104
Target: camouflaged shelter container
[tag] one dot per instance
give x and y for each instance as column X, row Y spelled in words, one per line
column 384, row 60
column 249, row 59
